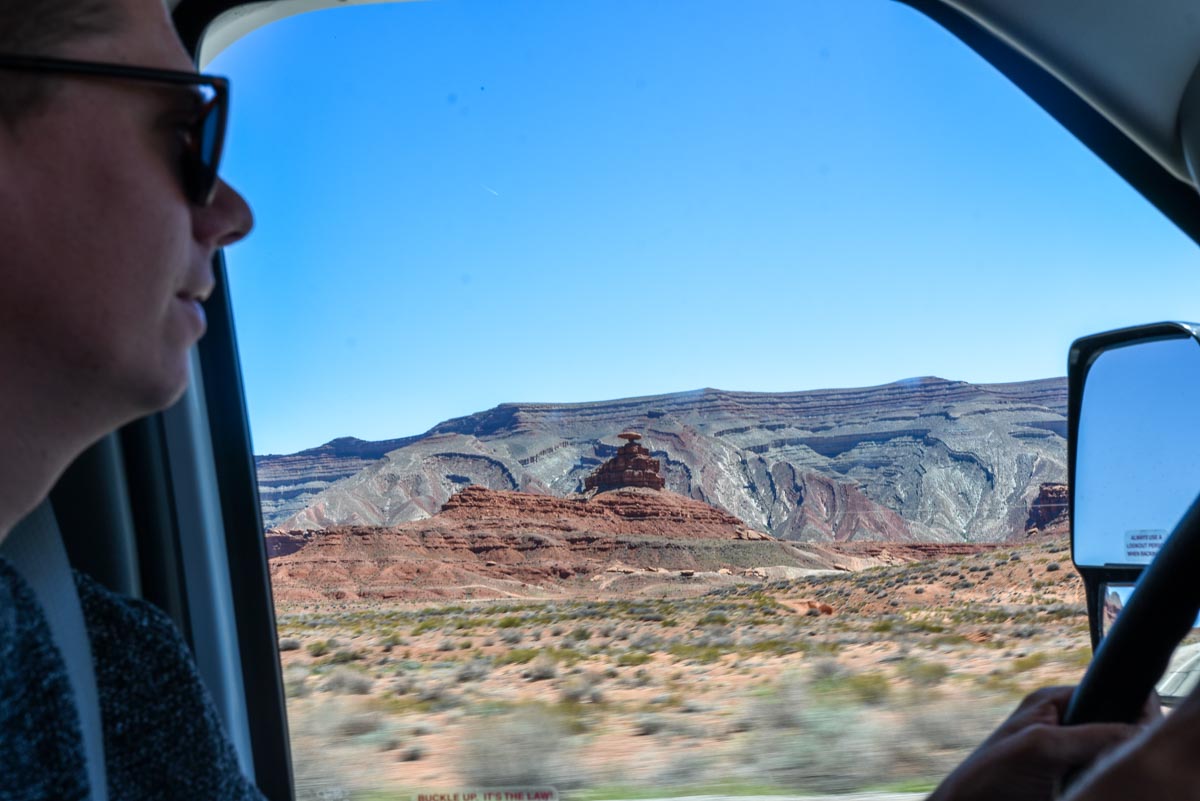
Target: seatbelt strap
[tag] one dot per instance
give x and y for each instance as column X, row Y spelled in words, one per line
column 35, row 550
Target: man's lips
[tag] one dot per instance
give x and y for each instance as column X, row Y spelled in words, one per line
column 198, row 294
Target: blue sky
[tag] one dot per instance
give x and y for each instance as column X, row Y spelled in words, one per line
column 467, row 202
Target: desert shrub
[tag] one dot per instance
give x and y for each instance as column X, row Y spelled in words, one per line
column 645, row 641
column 951, row 727
column 575, row 690
column 508, row 622
column 358, row 724
column 633, row 658
column 780, row 706
column 687, row 769
column 829, row 749
column 475, row 670
column 319, row 648
column 543, row 667
column 518, row 656
column 295, row 682
column 530, row 747
column 582, row 633
column 289, row 644
column 446, row 645
column 645, row 725
column 511, row 637
column 347, row 682
column 827, row 669
column 922, row 673
column 392, row 640
column 343, row 657
column 713, row 619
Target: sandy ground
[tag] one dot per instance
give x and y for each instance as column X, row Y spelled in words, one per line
column 867, row 685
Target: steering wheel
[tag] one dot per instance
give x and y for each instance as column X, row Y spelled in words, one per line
column 1134, row 654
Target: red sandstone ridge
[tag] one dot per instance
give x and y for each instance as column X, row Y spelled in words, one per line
column 489, row 543
column 632, row 511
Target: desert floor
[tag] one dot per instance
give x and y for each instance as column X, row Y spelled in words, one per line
column 870, row 684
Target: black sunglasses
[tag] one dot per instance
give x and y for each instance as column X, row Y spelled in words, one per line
column 202, row 151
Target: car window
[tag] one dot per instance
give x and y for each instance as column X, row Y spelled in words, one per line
column 663, row 399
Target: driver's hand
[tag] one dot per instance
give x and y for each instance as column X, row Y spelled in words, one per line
column 1027, row 756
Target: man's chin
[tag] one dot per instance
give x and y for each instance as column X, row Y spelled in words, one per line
column 155, row 393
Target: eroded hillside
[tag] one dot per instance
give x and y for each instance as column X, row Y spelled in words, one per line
column 920, row 460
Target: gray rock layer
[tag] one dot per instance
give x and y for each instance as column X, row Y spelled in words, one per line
column 920, row 460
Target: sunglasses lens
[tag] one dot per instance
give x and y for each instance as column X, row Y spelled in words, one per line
column 201, row 159
column 210, row 137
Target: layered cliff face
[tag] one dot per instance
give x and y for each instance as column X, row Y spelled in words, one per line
column 920, row 460
column 288, row 483
column 1048, row 513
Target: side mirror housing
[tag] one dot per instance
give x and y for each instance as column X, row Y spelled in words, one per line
column 1133, row 454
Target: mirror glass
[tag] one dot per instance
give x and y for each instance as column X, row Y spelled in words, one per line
column 1137, row 467
column 1183, row 671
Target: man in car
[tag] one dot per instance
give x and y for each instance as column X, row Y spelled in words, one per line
column 112, row 212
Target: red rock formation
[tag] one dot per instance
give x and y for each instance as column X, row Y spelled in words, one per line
column 498, row 543
column 857, row 555
column 631, row 467
column 1048, row 514
column 624, row 512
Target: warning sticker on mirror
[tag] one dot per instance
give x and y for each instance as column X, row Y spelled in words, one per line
column 1141, row 545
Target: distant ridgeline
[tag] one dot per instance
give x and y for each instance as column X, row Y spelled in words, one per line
column 920, row 460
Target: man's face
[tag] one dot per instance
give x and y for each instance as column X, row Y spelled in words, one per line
column 103, row 259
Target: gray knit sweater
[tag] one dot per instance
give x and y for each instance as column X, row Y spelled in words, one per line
column 162, row 736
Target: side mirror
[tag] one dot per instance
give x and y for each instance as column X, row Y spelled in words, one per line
column 1134, row 471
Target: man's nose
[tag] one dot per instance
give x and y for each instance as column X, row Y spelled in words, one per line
column 224, row 221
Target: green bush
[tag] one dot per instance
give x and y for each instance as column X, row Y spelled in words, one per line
column 342, row 657
column 870, row 688
column 518, row 656
column 633, row 659
column 921, row 673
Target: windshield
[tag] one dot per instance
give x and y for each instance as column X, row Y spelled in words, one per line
column 664, row 399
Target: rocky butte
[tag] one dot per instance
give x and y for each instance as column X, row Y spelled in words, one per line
column 631, row 467
column 487, row 543
column 921, row 460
